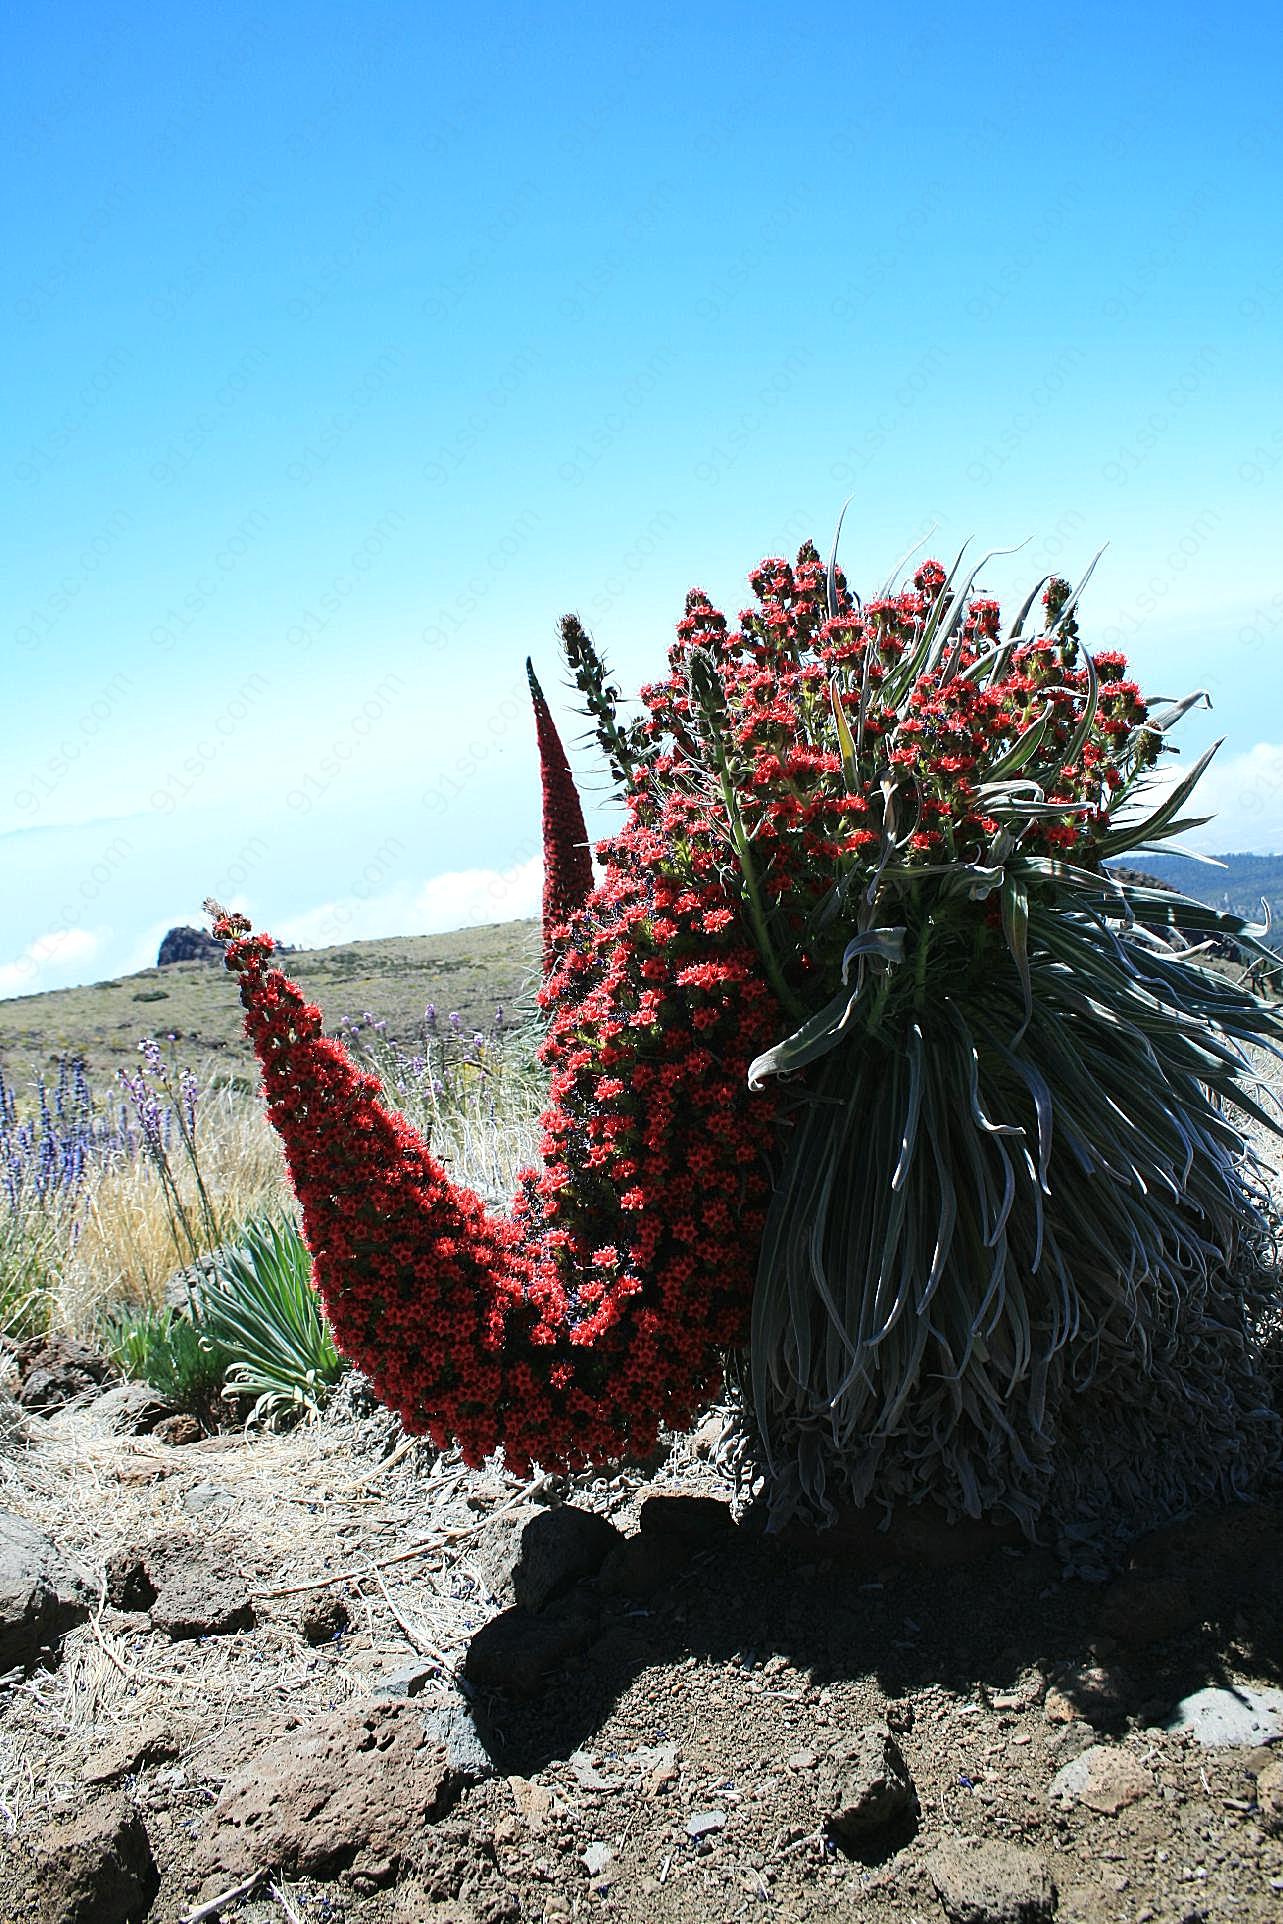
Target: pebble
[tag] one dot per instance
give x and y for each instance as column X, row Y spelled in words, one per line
column 1237, row 1718
column 1103, row 1779
column 595, row 1858
column 534, row 1801
column 990, row 1883
column 702, row 1823
column 203, row 1496
column 1269, row 1796
column 658, row 1766
column 587, row 1775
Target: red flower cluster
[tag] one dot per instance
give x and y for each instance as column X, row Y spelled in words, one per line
column 852, row 745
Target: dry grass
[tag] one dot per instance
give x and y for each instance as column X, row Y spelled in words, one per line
column 486, row 1128
column 336, row 1505
column 125, row 1244
column 118, row 1240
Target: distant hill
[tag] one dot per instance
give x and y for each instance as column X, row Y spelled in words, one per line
column 1240, row 886
column 471, row 971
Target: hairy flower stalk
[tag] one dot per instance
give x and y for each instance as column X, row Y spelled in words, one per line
column 618, row 743
column 567, row 860
column 866, row 1067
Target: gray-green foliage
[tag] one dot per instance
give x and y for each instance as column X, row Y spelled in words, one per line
column 253, row 1329
column 985, row 1215
column 260, row 1310
column 1021, row 1253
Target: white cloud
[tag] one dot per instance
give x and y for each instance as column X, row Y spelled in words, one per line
column 462, row 899
column 52, row 961
column 1244, row 796
column 475, row 895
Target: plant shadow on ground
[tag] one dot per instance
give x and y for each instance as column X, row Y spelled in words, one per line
column 1196, row 1604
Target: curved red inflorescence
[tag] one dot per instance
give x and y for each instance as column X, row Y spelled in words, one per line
column 568, row 1332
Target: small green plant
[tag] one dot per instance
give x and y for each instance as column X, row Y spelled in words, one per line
column 27, row 1271
column 260, row 1309
column 169, row 1351
column 253, row 1328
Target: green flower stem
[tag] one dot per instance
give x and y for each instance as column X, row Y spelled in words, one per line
column 753, row 894
column 920, row 967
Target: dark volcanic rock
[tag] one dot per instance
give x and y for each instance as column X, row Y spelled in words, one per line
column 40, row 1595
column 641, row 1565
column 981, row 1883
column 348, row 1794
column 95, row 1868
column 132, row 1750
column 557, row 1548
column 190, row 1590
column 188, row 945
column 55, row 1370
column 1269, row 1796
column 185, row 1287
column 530, row 1555
column 519, row 1651
column 693, row 1522
column 177, row 1429
column 865, row 1789
column 136, row 1571
column 207, row 1599
column 134, row 1409
column 129, row 1584
column 452, row 1726
column 324, row 1617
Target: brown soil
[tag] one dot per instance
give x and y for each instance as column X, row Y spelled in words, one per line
column 675, row 1766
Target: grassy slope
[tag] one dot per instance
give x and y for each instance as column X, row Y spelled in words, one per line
column 470, row 970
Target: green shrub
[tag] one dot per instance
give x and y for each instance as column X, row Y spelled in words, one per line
column 170, row 1351
column 253, row 1328
column 261, row 1311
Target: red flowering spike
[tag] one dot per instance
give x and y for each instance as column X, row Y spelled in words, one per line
column 570, row 1331
column 567, row 863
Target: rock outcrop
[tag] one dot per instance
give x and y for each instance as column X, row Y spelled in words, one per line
column 188, row 945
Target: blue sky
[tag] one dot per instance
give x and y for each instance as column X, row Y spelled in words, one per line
column 351, row 346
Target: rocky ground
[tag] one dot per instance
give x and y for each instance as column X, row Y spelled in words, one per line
column 330, row 1675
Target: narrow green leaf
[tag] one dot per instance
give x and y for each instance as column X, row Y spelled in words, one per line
column 831, row 590
column 1017, row 626
column 846, row 741
column 1151, row 829
column 1015, row 927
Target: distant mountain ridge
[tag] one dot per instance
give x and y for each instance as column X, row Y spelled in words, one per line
column 1241, row 886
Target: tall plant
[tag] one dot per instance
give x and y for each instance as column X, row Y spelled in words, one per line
column 866, row 1068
